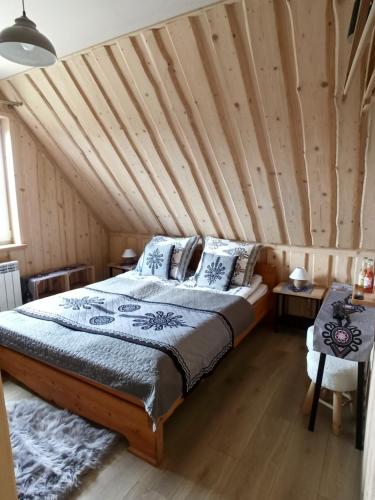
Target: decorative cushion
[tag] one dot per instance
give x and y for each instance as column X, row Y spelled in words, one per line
column 216, row 271
column 339, row 375
column 247, row 253
column 182, row 253
column 157, row 260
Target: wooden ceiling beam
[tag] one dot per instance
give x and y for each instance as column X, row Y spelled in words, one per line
column 363, row 30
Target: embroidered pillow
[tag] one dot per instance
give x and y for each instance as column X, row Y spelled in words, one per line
column 157, row 260
column 247, row 253
column 182, row 253
column 216, row 271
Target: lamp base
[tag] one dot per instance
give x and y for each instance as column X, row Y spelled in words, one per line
column 299, row 284
column 128, row 261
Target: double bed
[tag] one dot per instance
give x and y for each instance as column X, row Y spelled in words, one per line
column 132, row 376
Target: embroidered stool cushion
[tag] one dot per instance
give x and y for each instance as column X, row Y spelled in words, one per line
column 340, row 375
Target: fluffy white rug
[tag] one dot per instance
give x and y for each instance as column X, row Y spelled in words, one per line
column 52, row 448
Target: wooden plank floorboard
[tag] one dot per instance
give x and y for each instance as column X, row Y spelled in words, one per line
column 239, row 435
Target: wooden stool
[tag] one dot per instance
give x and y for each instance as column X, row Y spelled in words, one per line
column 339, row 378
column 339, row 400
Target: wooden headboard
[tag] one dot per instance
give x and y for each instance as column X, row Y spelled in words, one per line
column 268, row 273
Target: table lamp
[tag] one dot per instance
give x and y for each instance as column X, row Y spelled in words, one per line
column 300, row 277
column 129, row 256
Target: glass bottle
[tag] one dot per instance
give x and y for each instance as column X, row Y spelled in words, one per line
column 368, row 282
column 362, row 273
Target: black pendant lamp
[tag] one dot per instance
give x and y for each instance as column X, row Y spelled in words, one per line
column 22, row 43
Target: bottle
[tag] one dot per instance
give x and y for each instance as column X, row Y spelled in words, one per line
column 362, row 273
column 368, row 282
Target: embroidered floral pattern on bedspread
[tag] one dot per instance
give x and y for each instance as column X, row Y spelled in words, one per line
column 195, row 338
column 159, row 321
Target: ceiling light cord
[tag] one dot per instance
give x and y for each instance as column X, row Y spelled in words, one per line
column 23, row 8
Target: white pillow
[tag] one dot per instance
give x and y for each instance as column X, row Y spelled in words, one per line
column 181, row 256
column 247, row 253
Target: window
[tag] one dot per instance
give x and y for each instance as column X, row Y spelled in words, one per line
column 9, row 225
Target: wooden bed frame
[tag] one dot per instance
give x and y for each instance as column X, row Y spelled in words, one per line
column 113, row 409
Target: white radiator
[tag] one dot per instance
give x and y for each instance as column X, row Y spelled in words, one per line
column 10, row 286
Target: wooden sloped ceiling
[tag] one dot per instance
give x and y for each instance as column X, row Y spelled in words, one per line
column 229, row 122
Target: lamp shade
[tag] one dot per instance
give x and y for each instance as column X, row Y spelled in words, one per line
column 22, row 43
column 299, row 273
column 129, row 253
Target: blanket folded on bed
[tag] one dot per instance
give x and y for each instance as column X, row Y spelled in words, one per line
column 196, row 329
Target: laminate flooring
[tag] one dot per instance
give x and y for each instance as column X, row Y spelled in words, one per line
column 239, row 435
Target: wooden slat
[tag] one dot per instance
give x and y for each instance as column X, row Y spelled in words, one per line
column 164, row 129
column 367, row 226
column 138, row 167
column 124, row 164
column 269, row 73
column 363, row 30
column 194, row 63
column 132, row 114
column 311, row 36
column 348, row 137
column 226, row 38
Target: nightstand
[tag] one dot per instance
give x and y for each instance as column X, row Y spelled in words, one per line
column 315, row 293
column 123, row 268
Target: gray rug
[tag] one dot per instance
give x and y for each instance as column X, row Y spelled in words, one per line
column 52, row 449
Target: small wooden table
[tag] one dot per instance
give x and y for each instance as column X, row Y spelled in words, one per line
column 119, row 267
column 316, row 294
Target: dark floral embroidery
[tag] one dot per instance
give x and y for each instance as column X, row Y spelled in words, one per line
column 214, row 271
column 158, row 321
column 341, row 335
column 240, row 251
column 129, row 308
column 101, row 320
column 242, row 256
column 237, row 270
column 214, row 243
column 158, row 239
column 178, row 247
column 84, row 302
column 154, row 260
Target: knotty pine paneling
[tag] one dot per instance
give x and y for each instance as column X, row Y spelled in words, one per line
column 56, row 224
column 229, row 121
column 324, row 265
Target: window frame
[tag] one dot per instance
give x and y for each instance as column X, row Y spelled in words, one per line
column 7, row 166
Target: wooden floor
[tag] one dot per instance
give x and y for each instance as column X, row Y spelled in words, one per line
column 239, row 435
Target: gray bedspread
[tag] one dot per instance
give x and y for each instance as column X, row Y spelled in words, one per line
column 145, row 338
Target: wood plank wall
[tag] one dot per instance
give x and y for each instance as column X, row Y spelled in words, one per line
column 229, row 121
column 56, row 224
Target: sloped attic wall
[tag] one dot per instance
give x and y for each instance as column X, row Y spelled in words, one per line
column 227, row 122
column 56, row 225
